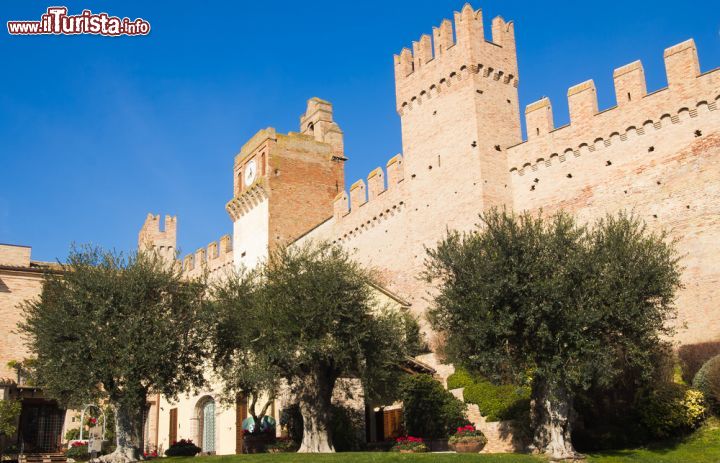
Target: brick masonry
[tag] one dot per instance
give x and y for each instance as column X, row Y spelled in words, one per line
column 656, row 153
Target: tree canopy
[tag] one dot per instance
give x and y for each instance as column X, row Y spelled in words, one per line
column 563, row 305
column 116, row 328
column 308, row 316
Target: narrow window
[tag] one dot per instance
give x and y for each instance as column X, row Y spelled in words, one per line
column 629, row 97
column 537, row 130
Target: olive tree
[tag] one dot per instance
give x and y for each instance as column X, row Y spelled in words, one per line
column 563, row 304
column 113, row 328
column 238, row 357
column 308, row 317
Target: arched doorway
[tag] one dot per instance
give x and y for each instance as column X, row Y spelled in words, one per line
column 205, row 412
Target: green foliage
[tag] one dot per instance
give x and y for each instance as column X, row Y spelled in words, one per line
column 576, row 306
column 9, row 414
column 339, row 329
column 72, row 434
column 282, row 445
column 468, row 433
column 409, row 444
column 239, row 355
column 429, row 411
column 308, row 315
column 114, row 328
column 495, row 402
column 78, row 452
column 671, row 409
column 707, row 380
column 291, row 420
column 693, row 357
column 182, row 448
column 347, row 429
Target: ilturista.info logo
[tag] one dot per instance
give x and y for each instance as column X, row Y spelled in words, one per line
column 56, row 21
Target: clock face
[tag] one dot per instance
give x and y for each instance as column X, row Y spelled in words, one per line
column 250, row 172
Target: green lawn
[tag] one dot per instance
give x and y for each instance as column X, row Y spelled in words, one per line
column 701, row 447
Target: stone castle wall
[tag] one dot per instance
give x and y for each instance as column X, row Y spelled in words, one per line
column 655, row 154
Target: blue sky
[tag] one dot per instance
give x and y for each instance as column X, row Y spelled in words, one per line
column 96, row 132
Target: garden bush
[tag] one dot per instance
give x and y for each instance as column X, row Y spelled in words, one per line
column 182, row 448
column 693, row 357
column 496, row 402
column 72, row 434
column 348, row 429
column 671, row 409
column 707, row 381
column 78, row 451
column 429, row 410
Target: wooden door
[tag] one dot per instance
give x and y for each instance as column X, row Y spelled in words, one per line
column 241, row 412
column 173, row 426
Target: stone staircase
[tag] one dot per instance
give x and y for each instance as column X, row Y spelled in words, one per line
column 500, row 437
column 42, row 458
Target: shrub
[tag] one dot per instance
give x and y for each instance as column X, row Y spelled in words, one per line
column 468, row 434
column 182, row 448
column 291, row 419
column 409, row 443
column 707, row 380
column 693, row 357
column 78, row 451
column 671, row 409
column 347, row 427
column 282, row 445
column 428, row 409
column 72, row 434
column 496, row 402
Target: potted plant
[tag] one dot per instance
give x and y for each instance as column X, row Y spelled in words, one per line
column 409, row 444
column 467, row 439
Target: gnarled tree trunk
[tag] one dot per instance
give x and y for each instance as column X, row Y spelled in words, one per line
column 552, row 407
column 128, row 432
column 315, row 398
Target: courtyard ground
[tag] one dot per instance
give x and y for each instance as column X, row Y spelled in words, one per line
column 701, row 447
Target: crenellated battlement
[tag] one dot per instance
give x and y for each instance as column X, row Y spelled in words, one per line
column 648, row 127
column 375, row 190
column 688, row 92
column 216, row 257
column 162, row 239
column 436, row 62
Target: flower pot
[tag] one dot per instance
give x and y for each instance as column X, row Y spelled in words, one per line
column 468, row 447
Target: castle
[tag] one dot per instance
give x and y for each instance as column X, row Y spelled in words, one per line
column 656, row 153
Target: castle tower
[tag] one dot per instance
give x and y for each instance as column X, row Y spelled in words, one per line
column 284, row 185
column 458, row 103
column 153, row 238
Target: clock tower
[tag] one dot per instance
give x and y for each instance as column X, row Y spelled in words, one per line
column 284, row 184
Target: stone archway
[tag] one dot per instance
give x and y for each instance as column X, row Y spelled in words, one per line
column 205, row 416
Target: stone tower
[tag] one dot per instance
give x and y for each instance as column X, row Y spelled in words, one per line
column 458, row 103
column 284, row 185
column 162, row 240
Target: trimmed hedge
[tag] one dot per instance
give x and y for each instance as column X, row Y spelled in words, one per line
column 429, row 411
column 496, row 402
column 671, row 409
column 693, row 357
column 707, row 380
